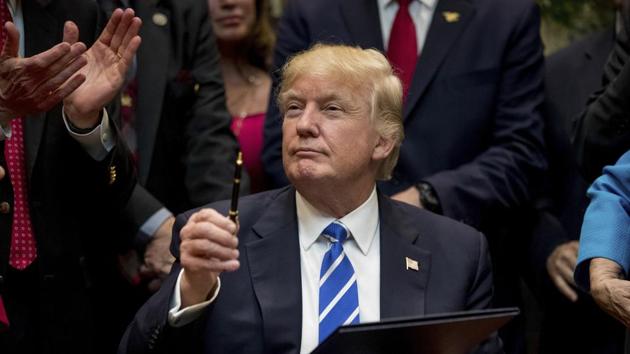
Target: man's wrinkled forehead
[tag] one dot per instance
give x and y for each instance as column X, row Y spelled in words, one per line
column 324, row 87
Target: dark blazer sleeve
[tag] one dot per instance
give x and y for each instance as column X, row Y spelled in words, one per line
column 149, row 332
column 293, row 37
column 601, row 134
column 504, row 175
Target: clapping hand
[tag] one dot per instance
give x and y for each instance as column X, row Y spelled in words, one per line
column 35, row 84
column 107, row 63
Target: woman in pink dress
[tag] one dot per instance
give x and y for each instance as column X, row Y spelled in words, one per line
column 245, row 39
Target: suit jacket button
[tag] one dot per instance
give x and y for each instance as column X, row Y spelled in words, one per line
column 5, row 207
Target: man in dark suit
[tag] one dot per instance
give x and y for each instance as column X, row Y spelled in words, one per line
column 289, row 284
column 473, row 147
column 180, row 128
column 64, row 173
column 601, row 133
column 571, row 320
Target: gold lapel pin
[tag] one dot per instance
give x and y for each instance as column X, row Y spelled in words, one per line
column 160, row 19
column 451, row 16
column 411, row 264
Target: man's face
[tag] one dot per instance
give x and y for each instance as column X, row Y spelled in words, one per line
column 328, row 135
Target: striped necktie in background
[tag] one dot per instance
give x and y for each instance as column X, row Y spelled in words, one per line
column 338, row 292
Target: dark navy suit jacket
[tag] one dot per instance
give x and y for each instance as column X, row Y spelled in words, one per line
column 472, row 119
column 258, row 309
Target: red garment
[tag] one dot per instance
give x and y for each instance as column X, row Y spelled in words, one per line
column 249, row 133
column 402, row 50
column 23, row 250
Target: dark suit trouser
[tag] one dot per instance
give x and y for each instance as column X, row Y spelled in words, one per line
column 21, row 300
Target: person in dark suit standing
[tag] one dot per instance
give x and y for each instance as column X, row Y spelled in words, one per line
column 64, row 173
column 571, row 320
column 330, row 241
column 175, row 121
column 601, row 133
column 473, row 148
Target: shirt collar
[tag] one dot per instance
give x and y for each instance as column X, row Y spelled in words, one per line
column 383, row 4
column 362, row 222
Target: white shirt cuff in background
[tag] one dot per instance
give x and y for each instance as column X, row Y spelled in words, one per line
column 97, row 143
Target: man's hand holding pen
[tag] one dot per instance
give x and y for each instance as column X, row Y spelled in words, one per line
column 208, row 247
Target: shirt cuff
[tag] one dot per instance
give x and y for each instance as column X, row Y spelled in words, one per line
column 178, row 317
column 97, row 143
column 148, row 229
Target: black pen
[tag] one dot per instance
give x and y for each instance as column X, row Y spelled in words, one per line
column 236, row 186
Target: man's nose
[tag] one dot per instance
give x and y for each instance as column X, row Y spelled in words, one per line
column 308, row 122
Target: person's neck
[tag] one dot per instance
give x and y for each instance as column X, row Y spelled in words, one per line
column 236, row 70
column 335, row 201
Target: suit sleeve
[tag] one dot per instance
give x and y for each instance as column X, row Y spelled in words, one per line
column 504, row 175
column 149, row 332
column 293, row 37
column 607, row 221
column 601, row 134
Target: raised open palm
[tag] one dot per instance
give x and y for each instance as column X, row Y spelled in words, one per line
column 108, row 60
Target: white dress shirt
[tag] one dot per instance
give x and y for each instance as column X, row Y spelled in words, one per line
column 421, row 12
column 362, row 248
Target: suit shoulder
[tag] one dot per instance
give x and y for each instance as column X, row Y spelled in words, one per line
column 428, row 223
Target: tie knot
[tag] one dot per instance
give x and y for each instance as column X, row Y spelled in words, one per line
column 404, row 4
column 335, row 232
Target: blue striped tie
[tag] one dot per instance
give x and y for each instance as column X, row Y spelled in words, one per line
column 338, row 293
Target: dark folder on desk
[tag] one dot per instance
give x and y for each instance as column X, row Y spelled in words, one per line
column 451, row 333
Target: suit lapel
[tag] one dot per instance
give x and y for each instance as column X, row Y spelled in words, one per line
column 440, row 38
column 360, row 17
column 151, row 82
column 39, row 23
column 402, row 290
column 274, row 264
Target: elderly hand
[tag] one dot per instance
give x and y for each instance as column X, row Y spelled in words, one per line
column 410, row 195
column 158, row 259
column 609, row 290
column 561, row 265
column 208, row 247
column 108, row 61
column 36, row 84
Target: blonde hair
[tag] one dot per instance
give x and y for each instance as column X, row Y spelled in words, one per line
column 357, row 68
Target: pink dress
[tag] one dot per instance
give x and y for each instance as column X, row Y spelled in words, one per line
column 249, row 133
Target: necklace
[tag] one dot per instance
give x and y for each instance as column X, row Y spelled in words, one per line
column 241, row 99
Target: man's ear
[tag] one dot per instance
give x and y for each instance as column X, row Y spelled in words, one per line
column 383, row 148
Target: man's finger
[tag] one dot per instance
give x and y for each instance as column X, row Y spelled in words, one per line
column 209, row 250
column 195, row 264
column 121, row 30
column 12, row 43
column 212, row 232
column 564, row 288
column 132, row 32
column 44, row 60
column 70, row 32
column 213, row 216
column 67, row 71
column 566, row 272
column 110, row 28
column 61, row 93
